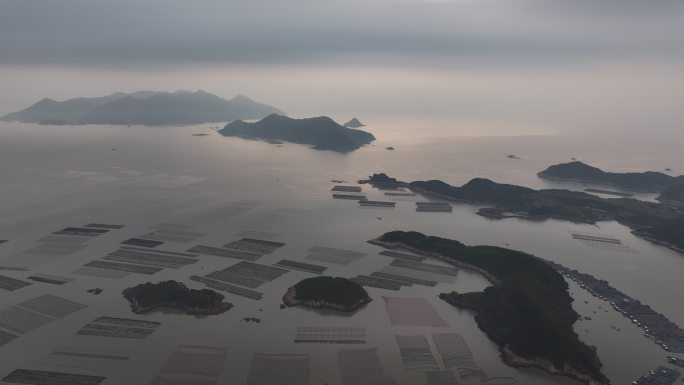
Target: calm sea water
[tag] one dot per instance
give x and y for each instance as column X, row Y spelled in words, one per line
column 54, row 177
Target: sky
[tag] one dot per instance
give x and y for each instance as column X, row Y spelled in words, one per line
column 558, row 65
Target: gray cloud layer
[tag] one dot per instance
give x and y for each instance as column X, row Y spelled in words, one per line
column 129, row 33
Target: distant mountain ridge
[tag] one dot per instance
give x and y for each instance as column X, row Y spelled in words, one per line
column 649, row 181
column 320, row 132
column 143, row 107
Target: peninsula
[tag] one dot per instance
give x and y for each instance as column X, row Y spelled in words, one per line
column 673, row 195
column 325, row 292
column 527, row 311
column 144, row 108
column 653, row 221
column 649, row 181
column 322, row 133
column 175, row 295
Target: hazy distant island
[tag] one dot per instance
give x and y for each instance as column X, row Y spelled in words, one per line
column 175, row 295
column 143, row 108
column 321, row 132
column 653, row 221
column 650, row 181
column 527, row 311
column 354, row 123
column 333, row 293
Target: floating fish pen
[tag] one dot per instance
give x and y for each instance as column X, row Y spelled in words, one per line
column 12, row 284
column 250, row 247
column 81, row 231
column 119, row 328
column 394, row 254
column 226, row 253
column 108, row 265
column 438, row 207
column 428, row 267
column 377, row 203
column 416, row 354
column 659, row 376
column 51, row 279
column 399, row 194
column 142, row 242
column 454, row 350
column 181, row 233
column 228, row 288
column 247, row 274
column 380, row 283
column 351, row 197
column 608, row 192
column 150, row 259
column 362, row 366
column 330, row 335
column 346, row 188
column 203, row 364
column 296, row 265
column 163, row 237
column 52, row 305
column 404, row 279
column 595, row 237
column 441, row 377
column 25, row 376
column 664, row 332
column 268, row 243
column 165, row 252
column 412, row 312
column 104, row 226
column 270, row 369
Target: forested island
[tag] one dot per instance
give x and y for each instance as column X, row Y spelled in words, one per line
column 354, row 123
column 143, row 107
column 649, row 181
column 325, row 292
column 653, row 221
column 527, row 311
column 175, row 295
column 322, row 133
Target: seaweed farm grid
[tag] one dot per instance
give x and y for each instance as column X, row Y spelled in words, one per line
column 330, row 335
column 192, row 364
column 270, row 369
column 35, row 377
column 119, row 328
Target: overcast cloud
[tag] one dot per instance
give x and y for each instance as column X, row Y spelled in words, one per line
column 562, row 64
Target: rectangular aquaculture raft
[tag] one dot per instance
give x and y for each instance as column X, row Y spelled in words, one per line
column 296, row 265
column 271, row 369
column 362, row 367
column 192, row 364
column 330, row 335
column 412, row 312
column 119, row 328
column 416, row 354
column 40, row 377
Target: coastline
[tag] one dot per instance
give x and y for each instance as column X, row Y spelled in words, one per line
column 506, row 354
column 290, row 300
column 136, row 308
